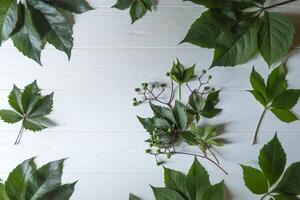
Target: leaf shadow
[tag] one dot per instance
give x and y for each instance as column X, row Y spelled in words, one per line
column 296, row 20
column 49, row 123
column 227, row 193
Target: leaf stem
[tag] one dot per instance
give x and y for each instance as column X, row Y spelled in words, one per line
column 179, row 91
column 258, row 126
column 279, row 4
column 18, row 140
column 265, row 195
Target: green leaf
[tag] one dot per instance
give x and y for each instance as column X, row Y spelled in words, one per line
column 15, row 99
column 139, row 8
column 236, row 45
column 163, row 112
column 147, row 123
column 290, row 182
column 123, row 4
column 189, row 138
column 3, row 195
column 215, row 192
column 62, row 192
column 197, row 180
column 259, row 97
column 74, row 6
column 285, row 197
column 133, row 197
column 180, row 74
column 196, row 102
column 180, row 114
column 42, row 107
column 255, row 180
column 257, row 82
column 17, row 179
column 8, row 18
column 175, row 180
column 10, row 117
column 60, row 31
column 209, row 109
column 284, row 115
column 287, row 99
column 44, row 180
column 205, row 30
column 272, row 160
column 27, row 39
column 276, row 83
column 276, row 36
column 30, row 96
column 166, row 194
column 34, row 124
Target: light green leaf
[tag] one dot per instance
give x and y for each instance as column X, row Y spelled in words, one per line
column 8, row 18
column 75, row 6
column 215, row 192
column 166, row 194
column 10, row 117
column 16, row 181
column 257, row 82
column 272, row 160
column 255, row 180
column 238, row 45
column 175, row 180
column 27, row 39
column 276, row 36
column 3, row 195
column 284, row 115
column 197, row 180
column 196, row 102
column 148, row 123
column 180, row 114
column 290, row 182
column 60, row 31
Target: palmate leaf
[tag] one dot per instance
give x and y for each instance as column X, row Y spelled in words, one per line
column 30, row 107
column 193, row 186
column 33, row 23
column 27, row 182
column 274, row 95
column 272, row 160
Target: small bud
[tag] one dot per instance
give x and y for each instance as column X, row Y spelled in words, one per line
column 206, row 88
column 158, row 151
column 209, row 77
column 148, row 151
column 203, row 71
column 134, row 103
column 168, row 74
column 153, row 85
column 134, row 99
column 159, row 163
column 213, row 89
column 169, row 155
column 137, row 89
column 169, row 130
column 163, row 85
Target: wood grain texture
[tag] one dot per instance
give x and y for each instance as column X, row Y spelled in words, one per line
column 97, row 127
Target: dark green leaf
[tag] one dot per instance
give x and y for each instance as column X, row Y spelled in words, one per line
column 215, row 192
column 34, row 124
column 255, row 180
column 284, row 115
column 44, row 180
column 236, row 45
column 290, row 182
column 16, row 181
column 42, row 107
column 285, row 197
column 27, row 39
column 62, row 192
column 75, row 6
column 133, row 197
column 147, row 123
column 139, row 8
column 259, row 97
column 166, row 194
column 276, row 36
column 180, row 74
column 272, row 160
column 60, row 31
column 163, row 112
column 276, row 83
column 15, row 99
column 209, row 109
column 29, row 95
column 10, row 117
column 189, row 138
column 197, row 180
column 8, row 18
column 123, row 4
column 175, row 180
column 196, row 102
column 287, row 99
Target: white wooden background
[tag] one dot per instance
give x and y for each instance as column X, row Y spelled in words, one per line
column 97, row 128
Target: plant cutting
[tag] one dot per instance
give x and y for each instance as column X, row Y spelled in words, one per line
column 272, row 181
column 237, row 30
column 174, row 121
column 31, row 24
column 29, row 107
column 27, row 182
column 274, row 96
column 194, row 185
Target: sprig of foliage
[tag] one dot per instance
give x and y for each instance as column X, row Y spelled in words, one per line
column 264, row 181
column 30, row 107
column 175, row 120
column 194, row 185
column 274, row 95
column 33, row 23
column 27, row 182
column 138, row 8
column 237, row 30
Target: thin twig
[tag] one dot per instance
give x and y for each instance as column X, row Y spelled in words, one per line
column 258, row 126
column 279, row 4
column 18, row 140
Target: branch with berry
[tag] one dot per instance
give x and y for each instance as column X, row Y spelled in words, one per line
column 175, row 121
